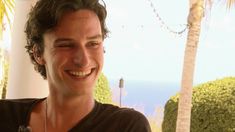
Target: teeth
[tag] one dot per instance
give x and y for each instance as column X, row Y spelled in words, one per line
column 79, row 73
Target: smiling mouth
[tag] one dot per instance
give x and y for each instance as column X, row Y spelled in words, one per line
column 81, row 74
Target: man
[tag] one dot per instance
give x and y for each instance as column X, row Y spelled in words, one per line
column 65, row 44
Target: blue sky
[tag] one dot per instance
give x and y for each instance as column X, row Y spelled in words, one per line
column 138, row 48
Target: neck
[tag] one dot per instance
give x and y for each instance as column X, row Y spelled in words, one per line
column 64, row 113
column 70, row 102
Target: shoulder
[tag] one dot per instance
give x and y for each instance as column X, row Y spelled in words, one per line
column 120, row 111
column 7, row 104
column 16, row 101
column 133, row 121
column 15, row 111
column 127, row 118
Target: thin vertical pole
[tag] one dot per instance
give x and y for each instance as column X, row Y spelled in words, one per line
column 121, row 84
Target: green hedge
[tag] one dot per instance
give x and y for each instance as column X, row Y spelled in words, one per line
column 102, row 90
column 213, row 108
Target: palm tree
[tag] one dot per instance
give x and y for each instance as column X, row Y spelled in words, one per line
column 195, row 16
column 6, row 7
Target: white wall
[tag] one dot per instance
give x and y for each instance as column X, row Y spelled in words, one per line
column 23, row 82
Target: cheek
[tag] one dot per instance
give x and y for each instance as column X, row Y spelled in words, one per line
column 100, row 58
column 55, row 63
column 59, row 62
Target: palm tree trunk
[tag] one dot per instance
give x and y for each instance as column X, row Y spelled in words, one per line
column 185, row 99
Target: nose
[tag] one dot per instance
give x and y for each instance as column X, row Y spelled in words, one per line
column 81, row 57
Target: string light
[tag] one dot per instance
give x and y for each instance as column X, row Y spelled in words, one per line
column 163, row 24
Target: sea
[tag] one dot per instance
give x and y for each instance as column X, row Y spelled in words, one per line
column 144, row 96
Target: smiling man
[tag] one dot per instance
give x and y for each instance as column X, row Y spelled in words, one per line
column 65, row 44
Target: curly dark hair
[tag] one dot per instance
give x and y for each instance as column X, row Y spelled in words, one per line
column 44, row 16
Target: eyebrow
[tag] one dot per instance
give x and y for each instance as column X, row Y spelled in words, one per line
column 98, row 36
column 62, row 39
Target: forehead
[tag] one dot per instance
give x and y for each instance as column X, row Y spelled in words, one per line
column 81, row 15
column 78, row 21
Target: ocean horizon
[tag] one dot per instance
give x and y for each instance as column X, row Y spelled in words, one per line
column 144, row 96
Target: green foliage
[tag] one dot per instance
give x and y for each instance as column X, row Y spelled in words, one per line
column 170, row 114
column 213, row 108
column 102, row 90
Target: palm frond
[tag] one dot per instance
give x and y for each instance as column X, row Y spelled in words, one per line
column 10, row 4
column 6, row 8
column 2, row 12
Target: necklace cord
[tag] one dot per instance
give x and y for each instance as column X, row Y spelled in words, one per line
column 45, row 117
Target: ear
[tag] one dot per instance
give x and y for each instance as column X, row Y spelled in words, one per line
column 37, row 56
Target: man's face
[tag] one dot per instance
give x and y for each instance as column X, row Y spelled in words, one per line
column 73, row 53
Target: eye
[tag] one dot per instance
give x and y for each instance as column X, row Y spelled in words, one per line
column 93, row 44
